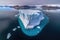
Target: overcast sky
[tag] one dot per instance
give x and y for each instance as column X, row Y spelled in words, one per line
column 28, row 2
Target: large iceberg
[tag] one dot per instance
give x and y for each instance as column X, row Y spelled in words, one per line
column 31, row 18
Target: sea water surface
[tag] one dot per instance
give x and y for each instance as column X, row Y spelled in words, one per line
column 50, row 32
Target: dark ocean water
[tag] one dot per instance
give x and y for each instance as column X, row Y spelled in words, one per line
column 50, row 32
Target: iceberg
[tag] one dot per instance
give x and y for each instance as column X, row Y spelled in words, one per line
column 31, row 18
column 32, row 21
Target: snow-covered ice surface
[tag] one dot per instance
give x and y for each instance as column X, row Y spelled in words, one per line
column 30, row 18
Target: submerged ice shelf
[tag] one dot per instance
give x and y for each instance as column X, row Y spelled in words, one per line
column 31, row 18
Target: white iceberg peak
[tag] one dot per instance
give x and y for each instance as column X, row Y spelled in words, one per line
column 31, row 18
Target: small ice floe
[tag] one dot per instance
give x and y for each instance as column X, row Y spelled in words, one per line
column 16, row 15
column 18, row 26
column 8, row 35
column 14, row 29
column 38, row 27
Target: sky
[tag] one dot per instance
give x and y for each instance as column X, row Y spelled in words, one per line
column 28, row 2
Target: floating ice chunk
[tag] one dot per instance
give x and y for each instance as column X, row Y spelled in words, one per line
column 18, row 26
column 8, row 35
column 14, row 29
column 31, row 18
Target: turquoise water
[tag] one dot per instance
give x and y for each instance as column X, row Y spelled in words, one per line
column 34, row 31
